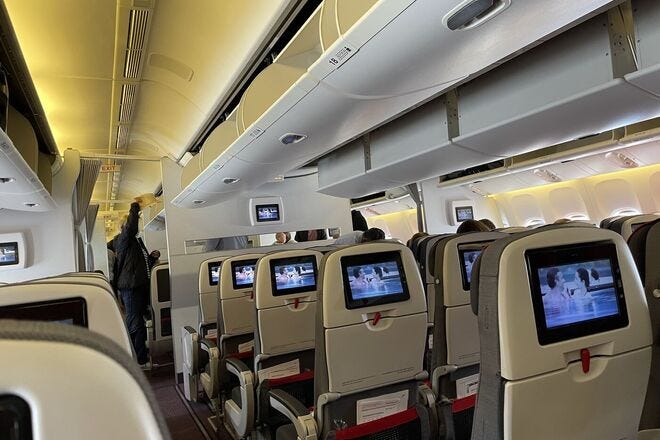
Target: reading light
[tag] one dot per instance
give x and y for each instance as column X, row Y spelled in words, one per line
column 475, row 189
column 621, row 160
column 199, row 202
column 292, row 138
column 279, row 178
column 7, row 180
column 31, row 204
column 230, row 180
column 547, row 175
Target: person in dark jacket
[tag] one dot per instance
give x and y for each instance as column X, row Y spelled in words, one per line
column 132, row 280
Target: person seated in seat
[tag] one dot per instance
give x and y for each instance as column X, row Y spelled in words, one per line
column 359, row 227
column 488, row 223
column 472, row 226
column 372, row 234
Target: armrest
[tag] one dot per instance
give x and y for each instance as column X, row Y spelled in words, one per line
column 439, row 372
column 207, row 345
column 245, row 423
column 295, row 411
column 210, row 381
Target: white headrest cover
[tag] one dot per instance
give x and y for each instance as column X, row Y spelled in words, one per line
column 103, row 315
column 522, row 354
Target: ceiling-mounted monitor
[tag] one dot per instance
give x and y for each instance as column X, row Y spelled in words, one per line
column 460, row 211
column 12, row 251
column 266, row 211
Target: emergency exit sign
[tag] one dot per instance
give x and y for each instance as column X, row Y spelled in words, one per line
column 110, row 168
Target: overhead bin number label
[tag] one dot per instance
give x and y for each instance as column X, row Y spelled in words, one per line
column 341, row 55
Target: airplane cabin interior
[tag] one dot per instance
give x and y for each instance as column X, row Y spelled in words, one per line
column 330, row 219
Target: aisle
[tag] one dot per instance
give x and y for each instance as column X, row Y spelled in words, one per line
column 186, row 420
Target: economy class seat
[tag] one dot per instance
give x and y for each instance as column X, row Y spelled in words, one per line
column 455, row 356
column 60, row 381
column 285, row 289
column 383, row 325
column 644, row 245
column 565, row 337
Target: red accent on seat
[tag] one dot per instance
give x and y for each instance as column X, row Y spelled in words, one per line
column 242, row 355
column 212, row 338
column 379, row 425
column 376, row 317
column 296, row 303
column 279, row 381
column 252, row 294
column 464, row 403
column 585, row 356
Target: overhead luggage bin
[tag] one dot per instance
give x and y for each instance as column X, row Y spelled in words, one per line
column 569, row 80
column 20, row 187
column 338, row 16
column 191, row 170
column 647, row 16
column 218, row 141
column 396, row 56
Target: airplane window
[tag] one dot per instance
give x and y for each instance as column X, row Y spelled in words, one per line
column 534, row 222
column 578, row 217
column 625, row 211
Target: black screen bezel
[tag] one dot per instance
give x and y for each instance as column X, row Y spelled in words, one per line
column 49, row 311
column 268, row 205
column 373, row 258
column 461, row 249
column 239, row 263
column 13, row 244
column 471, row 208
column 569, row 254
column 213, row 265
column 292, row 261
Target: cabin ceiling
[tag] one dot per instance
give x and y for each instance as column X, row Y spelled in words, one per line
column 195, row 52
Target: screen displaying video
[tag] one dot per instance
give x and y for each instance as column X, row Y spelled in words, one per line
column 268, row 213
column 467, row 254
column 70, row 311
column 464, row 213
column 373, row 279
column 8, row 253
column 214, row 273
column 293, row 275
column 243, row 273
column 576, row 291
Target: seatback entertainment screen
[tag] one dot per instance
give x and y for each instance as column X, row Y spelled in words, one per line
column 576, row 291
column 467, row 255
column 373, row 279
column 268, row 213
column 8, row 253
column 214, row 273
column 71, row 311
column 293, row 275
column 243, row 273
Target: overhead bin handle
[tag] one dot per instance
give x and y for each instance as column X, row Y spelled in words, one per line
column 472, row 13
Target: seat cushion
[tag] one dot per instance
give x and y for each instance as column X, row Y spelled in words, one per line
column 286, row 432
column 236, row 397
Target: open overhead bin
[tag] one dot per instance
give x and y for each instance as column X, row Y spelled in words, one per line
column 218, row 141
column 396, row 56
column 562, row 90
column 647, row 26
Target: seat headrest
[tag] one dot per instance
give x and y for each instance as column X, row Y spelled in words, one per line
column 638, row 244
column 237, row 276
column 209, row 275
column 105, row 393
column 72, row 302
column 283, row 276
column 556, row 290
column 369, row 278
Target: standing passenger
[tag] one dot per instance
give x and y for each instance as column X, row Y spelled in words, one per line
column 132, row 280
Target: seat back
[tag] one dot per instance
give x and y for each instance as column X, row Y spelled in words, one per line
column 87, row 304
column 209, row 276
column 644, row 245
column 605, row 223
column 161, row 306
column 630, row 224
column 372, row 309
column 564, row 335
column 286, row 289
column 92, row 388
column 236, row 309
column 455, row 355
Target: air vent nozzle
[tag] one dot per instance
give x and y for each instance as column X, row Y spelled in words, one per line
column 472, row 13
